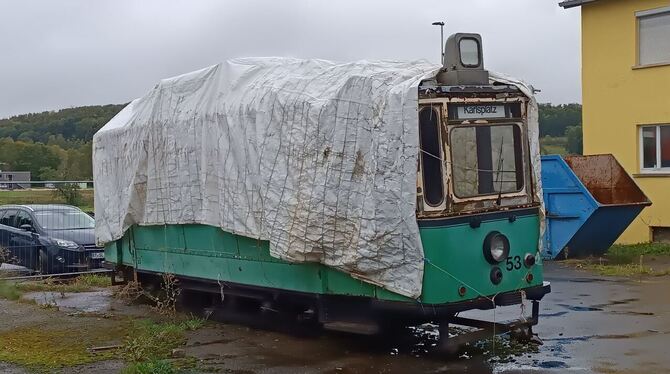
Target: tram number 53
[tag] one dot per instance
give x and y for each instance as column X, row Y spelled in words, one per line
column 513, row 263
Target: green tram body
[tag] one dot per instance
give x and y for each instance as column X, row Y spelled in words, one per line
column 454, row 214
column 209, row 253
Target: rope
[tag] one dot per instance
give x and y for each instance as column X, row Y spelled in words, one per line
column 446, row 162
column 492, row 298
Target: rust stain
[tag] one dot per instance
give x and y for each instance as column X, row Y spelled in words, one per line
column 606, row 179
column 359, row 165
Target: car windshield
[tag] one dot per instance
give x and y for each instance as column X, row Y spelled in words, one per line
column 64, row 219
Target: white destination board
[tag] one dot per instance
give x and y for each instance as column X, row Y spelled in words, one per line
column 481, row 111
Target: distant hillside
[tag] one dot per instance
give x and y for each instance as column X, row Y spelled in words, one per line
column 78, row 124
column 53, row 145
column 555, row 119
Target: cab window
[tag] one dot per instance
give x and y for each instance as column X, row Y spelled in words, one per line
column 431, row 156
column 486, row 159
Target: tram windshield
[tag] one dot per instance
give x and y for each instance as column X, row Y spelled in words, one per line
column 486, row 159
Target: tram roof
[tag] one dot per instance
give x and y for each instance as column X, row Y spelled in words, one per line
column 427, row 89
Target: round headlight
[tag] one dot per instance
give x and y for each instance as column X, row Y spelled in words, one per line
column 496, row 247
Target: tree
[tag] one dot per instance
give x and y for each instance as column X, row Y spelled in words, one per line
column 53, row 145
column 554, row 119
column 575, row 143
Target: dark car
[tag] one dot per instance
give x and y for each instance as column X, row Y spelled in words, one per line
column 49, row 238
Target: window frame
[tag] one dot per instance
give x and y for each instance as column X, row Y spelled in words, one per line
column 19, row 218
column 494, row 195
column 479, row 52
column 436, row 109
column 9, row 211
column 638, row 16
column 640, row 141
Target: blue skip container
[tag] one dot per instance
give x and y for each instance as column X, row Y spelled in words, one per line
column 589, row 202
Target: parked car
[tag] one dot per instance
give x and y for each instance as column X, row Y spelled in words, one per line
column 50, row 238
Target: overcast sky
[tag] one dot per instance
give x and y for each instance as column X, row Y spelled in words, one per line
column 58, row 54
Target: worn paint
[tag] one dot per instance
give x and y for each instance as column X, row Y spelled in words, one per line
column 454, row 254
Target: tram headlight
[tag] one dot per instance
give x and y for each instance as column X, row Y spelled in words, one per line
column 496, row 247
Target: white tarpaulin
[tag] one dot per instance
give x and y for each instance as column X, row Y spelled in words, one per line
column 316, row 157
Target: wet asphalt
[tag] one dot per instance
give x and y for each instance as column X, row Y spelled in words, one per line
column 588, row 324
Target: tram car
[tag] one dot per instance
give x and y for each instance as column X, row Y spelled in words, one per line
column 478, row 208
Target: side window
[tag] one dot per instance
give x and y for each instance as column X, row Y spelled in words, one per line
column 23, row 218
column 8, row 218
column 655, row 148
column 431, row 155
column 653, row 27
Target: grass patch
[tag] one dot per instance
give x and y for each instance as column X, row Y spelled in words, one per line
column 627, row 260
column 44, row 348
column 150, row 341
column 503, row 349
column 626, row 254
column 626, row 270
column 553, row 145
column 45, row 196
column 150, row 367
column 82, row 283
column 8, row 290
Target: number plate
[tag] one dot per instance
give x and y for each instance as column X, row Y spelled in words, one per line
column 97, row 255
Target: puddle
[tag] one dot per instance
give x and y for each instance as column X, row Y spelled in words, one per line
column 577, row 308
column 84, row 302
column 553, row 365
column 555, row 314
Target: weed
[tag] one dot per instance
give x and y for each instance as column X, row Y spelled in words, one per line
column 130, row 292
column 622, row 254
column 94, row 280
column 8, row 290
column 501, row 348
column 150, row 367
column 154, row 341
column 82, row 283
column 626, row 260
column 6, row 257
column 620, row 270
column 193, row 323
column 68, row 192
column 165, row 302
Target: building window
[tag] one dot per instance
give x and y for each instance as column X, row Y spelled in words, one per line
column 660, row 234
column 655, row 148
column 653, row 28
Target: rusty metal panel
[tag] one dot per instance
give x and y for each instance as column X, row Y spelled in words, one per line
column 606, row 179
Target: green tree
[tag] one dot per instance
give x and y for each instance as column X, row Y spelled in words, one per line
column 575, row 143
column 53, row 145
column 554, row 119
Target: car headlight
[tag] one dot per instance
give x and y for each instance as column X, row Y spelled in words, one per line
column 496, row 247
column 66, row 244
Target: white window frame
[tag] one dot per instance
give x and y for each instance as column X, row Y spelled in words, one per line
column 659, row 169
column 639, row 15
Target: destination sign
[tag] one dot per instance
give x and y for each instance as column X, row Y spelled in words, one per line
column 481, row 111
